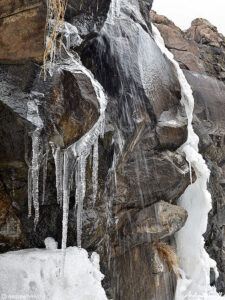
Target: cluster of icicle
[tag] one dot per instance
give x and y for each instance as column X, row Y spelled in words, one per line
column 195, row 263
column 70, row 163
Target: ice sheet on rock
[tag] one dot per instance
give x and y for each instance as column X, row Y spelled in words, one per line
column 194, row 260
column 35, row 274
column 71, row 35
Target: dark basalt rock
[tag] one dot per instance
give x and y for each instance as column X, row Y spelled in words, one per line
column 88, row 16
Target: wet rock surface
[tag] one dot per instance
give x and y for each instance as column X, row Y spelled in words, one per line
column 146, row 264
column 156, row 222
column 141, row 172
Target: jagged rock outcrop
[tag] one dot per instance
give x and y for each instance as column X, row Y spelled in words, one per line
column 200, row 49
column 185, row 51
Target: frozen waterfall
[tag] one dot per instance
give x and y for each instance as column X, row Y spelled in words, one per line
column 195, row 262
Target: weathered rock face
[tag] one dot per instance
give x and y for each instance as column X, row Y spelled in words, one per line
column 203, row 32
column 153, row 223
column 156, row 282
column 10, row 225
column 22, row 30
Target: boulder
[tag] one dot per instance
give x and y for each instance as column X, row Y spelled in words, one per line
column 153, row 223
column 165, row 176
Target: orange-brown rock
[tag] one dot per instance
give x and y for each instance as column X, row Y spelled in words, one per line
column 22, row 28
column 200, row 49
column 203, row 32
column 74, row 108
column 184, row 50
column 140, row 273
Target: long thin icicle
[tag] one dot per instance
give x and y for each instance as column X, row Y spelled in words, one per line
column 30, row 187
column 45, row 171
column 95, row 171
column 80, row 194
column 58, row 158
column 66, row 199
column 194, row 260
column 35, row 173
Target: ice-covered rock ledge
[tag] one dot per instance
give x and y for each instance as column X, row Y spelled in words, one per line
column 39, row 274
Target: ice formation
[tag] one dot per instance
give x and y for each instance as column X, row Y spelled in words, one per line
column 35, row 274
column 34, row 168
column 72, row 161
column 195, row 262
column 77, row 154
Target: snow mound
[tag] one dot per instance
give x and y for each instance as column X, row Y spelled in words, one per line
column 51, row 274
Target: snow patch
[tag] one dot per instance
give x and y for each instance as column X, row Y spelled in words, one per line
column 36, row 274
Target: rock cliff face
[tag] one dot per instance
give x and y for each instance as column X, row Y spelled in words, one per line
column 141, row 171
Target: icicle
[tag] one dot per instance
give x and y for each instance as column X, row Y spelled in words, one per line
column 35, row 173
column 80, row 194
column 45, row 170
column 29, row 191
column 58, row 158
column 190, row 170
column 66, row 198
column 95, row 171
